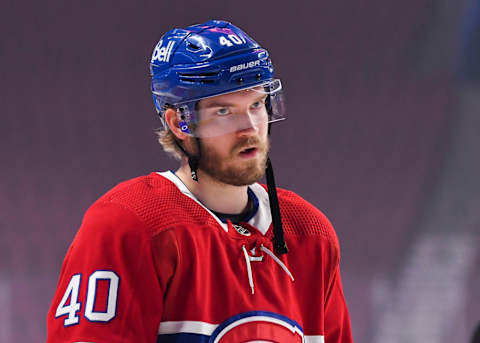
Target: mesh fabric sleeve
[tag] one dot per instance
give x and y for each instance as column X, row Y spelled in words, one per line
column 337, row 318
column 113, row 280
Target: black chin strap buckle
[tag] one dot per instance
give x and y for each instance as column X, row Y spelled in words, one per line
column 193, row 163
column 193, row 160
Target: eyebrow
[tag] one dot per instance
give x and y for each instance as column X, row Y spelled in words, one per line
column 226, row 103
column 217, row 104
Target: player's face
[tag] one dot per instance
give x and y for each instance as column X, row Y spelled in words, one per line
column 238, row 157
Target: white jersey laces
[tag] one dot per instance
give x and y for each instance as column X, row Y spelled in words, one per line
column 249, row 259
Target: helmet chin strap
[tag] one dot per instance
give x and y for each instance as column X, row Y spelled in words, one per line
column 193, row 160
column 279, row 245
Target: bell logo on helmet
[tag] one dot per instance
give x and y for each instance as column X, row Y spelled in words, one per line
column 245, row 66
column 162, row 53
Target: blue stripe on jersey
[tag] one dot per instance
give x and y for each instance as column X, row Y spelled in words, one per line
column 183, row 338
column 254, row 209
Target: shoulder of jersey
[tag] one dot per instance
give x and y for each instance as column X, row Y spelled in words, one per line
column 300, row 217
column 156, row 201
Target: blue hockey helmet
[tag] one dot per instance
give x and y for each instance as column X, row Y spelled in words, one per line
column 206, row 60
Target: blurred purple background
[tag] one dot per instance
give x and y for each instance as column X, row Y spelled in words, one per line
column 382, row 135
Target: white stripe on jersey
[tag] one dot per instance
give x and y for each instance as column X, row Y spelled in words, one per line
column 314, row 339
column 186, row 326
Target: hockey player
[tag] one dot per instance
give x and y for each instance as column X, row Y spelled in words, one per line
column 205, row 253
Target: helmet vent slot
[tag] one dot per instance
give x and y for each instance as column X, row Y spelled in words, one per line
column 196, row 81
column 198, row 74
column 201, row 78
column 193, row 46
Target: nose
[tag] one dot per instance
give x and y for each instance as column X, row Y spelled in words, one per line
column 246, row 124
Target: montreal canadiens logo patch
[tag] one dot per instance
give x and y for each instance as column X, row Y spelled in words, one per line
column 258, row 326
column 241, row 230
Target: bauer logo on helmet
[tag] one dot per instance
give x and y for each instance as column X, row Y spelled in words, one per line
column 245, row 66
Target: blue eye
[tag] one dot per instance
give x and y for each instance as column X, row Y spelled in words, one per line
column 223, row 111
column 258, row 104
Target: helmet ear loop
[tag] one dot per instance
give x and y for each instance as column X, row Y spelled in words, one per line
column 193, row 160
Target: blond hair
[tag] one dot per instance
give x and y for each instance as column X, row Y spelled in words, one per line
column 166, row 138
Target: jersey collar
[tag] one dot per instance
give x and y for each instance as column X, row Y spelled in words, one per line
column 260, row 216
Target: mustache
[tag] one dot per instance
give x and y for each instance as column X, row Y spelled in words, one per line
column 248, row 142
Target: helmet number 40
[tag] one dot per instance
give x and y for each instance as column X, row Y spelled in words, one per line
column 232, row 39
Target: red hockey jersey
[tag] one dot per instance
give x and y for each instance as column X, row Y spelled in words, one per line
column 150, row 263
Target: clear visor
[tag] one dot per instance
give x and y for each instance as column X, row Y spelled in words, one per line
column 249, row 108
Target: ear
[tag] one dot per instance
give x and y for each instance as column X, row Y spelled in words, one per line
column 172, row 120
